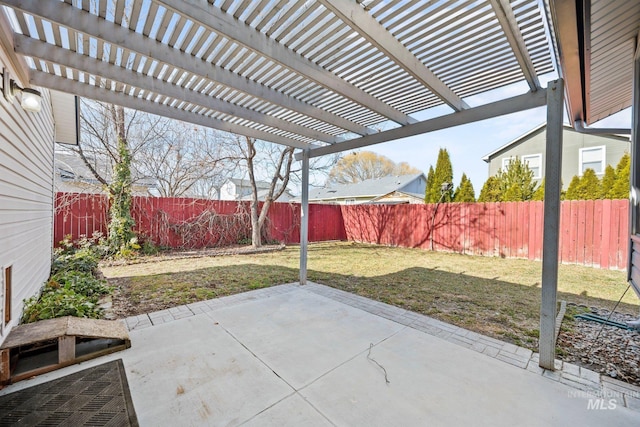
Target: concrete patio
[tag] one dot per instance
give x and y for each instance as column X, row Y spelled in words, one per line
column 313, row 355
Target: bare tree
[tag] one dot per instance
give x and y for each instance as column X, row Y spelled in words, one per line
column 275, row 164
column 186, row 161
column 102, row 124
column 180, row 159
column 277, row 186
column 109, row 140
column 363, row 165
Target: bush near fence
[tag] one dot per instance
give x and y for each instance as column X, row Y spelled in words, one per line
column 592, row 232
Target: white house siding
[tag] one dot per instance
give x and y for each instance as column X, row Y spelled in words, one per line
column 26, row 200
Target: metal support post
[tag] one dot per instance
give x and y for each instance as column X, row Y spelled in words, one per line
column 304, row 217
column 551, row 236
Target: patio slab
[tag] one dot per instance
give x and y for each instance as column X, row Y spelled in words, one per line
column 311, row 355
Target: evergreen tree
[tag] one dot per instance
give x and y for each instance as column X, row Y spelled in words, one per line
column 464, row 192
column 443, row 173
column 516, row 182
column 590, row 184
column 608, row 181
column 586, row 188
column 572, row 191
column 620, row 188
column 538, row 195
column 513, row 193
column 490, row 191
column 429, row 189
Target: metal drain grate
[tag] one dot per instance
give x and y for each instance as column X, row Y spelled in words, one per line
column 97, row 396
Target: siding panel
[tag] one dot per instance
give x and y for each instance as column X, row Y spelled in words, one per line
column 26, row 199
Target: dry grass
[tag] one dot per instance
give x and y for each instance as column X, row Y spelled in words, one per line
column 497, row 297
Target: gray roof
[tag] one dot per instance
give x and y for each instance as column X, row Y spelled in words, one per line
column 70, row 167
column 369, row 188
column 245, row 183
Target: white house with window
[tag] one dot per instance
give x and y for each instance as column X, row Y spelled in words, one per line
column 580, row 152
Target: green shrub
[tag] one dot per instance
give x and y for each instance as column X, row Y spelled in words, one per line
column 149, row 248
column 73, row 288
column 58, row 303
column 80, row 282
column 84, row 260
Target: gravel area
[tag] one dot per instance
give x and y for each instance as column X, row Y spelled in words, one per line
column 615, row 353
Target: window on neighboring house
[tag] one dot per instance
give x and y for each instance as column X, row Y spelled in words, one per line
column 534, row 161
column 592, row 158
column 505, row 163
column 535, row 164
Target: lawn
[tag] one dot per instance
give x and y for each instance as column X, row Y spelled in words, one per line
column 494, row 296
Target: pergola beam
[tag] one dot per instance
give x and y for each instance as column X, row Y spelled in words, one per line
column 354, row 15
column 220, row 22
column 566, row 24
column 50, row 81
column 42, row 50
column 487, row 111
column 507, row 19
column 68, row 16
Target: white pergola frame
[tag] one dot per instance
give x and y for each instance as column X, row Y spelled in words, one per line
column 317, row 75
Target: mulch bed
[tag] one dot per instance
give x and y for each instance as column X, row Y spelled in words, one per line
column 608, row 350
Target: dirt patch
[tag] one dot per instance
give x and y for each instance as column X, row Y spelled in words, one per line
column 196, row 253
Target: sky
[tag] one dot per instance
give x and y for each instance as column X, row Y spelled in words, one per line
column 467, row 144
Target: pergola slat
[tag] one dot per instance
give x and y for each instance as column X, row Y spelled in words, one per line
column 114, row 34
column 244, row 34
column 312, row 69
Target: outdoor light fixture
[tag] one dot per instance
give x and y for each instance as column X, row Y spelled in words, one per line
column 30, row 99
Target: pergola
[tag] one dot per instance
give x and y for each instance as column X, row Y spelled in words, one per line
column 326, row 76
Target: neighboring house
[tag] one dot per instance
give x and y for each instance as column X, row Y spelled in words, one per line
column 387, row 190
column 580, row 151
column 240, row 189
column 72, row 175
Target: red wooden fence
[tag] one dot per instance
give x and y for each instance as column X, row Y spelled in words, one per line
column 184, row 222
column 592, row 232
